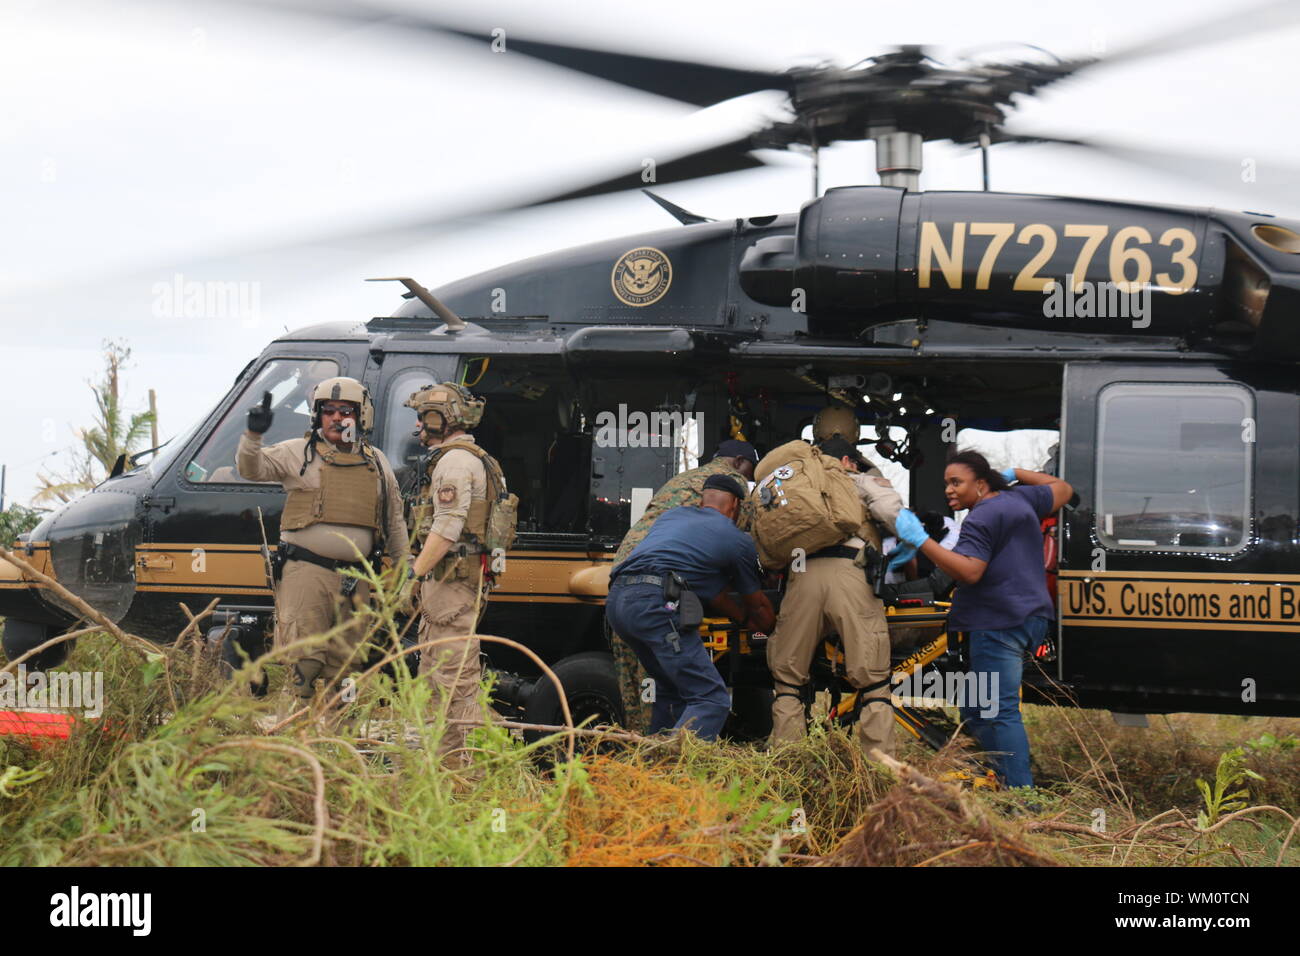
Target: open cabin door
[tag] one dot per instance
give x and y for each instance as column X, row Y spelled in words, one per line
column 1179, row 586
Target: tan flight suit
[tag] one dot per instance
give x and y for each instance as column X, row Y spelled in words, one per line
column 308, row 597
column 833, row 594
column 454, row 598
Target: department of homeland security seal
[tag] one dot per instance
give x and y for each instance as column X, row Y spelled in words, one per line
column 641, row 276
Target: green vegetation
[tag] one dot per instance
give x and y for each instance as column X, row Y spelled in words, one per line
column 184, row 768
column 15, row 520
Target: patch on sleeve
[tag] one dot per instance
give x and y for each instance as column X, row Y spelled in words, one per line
column 884, row 482
column 447, row 494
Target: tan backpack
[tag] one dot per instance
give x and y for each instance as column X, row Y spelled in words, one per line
column 802, row 499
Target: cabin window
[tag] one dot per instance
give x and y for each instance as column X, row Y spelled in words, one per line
column 1174, row 467
column 398, row 425
column 290, row 382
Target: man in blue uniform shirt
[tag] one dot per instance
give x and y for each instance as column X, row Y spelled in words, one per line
column 707, row 554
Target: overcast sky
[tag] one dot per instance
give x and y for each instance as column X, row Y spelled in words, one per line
column 141, row 141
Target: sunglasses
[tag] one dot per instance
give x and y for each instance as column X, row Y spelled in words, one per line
column 337, row 410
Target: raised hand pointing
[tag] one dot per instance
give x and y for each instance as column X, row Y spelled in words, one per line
column 259, row 416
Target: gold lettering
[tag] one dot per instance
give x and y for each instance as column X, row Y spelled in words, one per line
column 1028, row 280
column 1092, row 237
column 1183, row 258
column 1121, row 256
column 932, row 246
column 1000, row 233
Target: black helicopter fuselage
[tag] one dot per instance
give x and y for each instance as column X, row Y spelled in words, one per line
column 1159, row 342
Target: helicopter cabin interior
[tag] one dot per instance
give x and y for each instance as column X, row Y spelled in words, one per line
column 585, row 455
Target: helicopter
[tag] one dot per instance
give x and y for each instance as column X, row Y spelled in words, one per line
column 1156, row 341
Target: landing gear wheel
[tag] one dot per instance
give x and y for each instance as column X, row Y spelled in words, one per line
column 591, row 687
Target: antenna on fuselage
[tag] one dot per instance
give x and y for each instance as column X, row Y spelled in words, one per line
column 454, row 322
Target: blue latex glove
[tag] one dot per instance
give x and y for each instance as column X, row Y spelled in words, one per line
column 900, row 556
column 910, row 529
column 1009, row 474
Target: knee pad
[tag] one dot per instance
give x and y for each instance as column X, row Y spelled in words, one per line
column 803, row 693
column 305, row 674
column 863, row 700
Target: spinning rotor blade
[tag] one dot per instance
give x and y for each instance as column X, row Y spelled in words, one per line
column 711, row 161
column 1030, row 77
column 307, row 257
column 1275, row 183
column 1230, row 26
column 700, row 84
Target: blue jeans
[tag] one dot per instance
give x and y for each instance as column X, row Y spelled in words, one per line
column 688, row 690
column 1002, row 736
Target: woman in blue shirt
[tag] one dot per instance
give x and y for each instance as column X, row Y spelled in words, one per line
column 1001, row 599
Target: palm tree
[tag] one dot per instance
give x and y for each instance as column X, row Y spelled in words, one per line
column 112, row 435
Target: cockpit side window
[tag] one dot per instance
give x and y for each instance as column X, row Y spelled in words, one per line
column 290, row 381
column 398, row 437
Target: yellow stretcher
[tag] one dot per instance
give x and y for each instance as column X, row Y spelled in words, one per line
column 923, row 623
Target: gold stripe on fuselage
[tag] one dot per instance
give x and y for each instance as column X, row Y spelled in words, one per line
column 11, row 576
column 541, row 576
column 1180, row 600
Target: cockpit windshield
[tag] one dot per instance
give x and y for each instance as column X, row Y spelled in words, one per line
column 290, row 381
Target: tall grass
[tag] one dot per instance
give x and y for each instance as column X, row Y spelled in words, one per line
column 181, row 770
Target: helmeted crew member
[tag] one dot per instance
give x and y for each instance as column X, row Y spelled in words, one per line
column 450, row 521
column 343, row 501
column 836, row 421
column 701, row 551
column 832, row 593
column 733, row 458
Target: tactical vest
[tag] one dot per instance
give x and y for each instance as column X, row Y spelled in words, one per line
column 348, row 493
column 422, row 509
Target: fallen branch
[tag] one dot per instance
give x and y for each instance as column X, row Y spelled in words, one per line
column 84, row 609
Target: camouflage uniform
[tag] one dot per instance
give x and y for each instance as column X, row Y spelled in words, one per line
column 680, row 491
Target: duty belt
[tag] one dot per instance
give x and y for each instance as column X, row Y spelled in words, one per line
column 835, row 551
column 296, row 552
column 654, row 579
column 457, row 551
